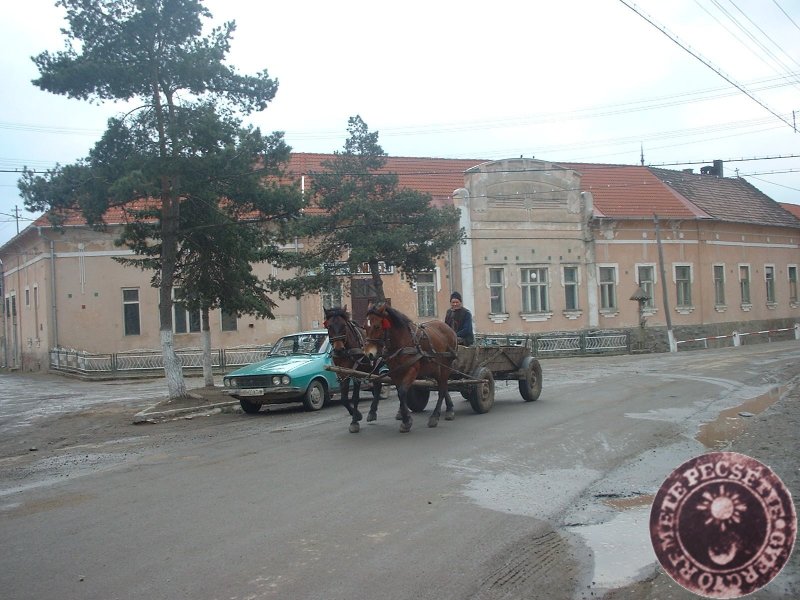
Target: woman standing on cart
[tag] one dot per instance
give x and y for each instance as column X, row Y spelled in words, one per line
column 460, row 320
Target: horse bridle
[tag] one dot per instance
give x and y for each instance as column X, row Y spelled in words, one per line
column 354, row 353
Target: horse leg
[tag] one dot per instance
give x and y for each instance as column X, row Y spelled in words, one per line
column 449, row 413
column 433, row 420
column 405, row 414
column 376, row 396
column 344, row 390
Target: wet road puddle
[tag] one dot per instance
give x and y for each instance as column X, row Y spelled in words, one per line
column 732, row 422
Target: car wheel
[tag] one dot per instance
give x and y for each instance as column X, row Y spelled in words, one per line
column 249, row 407
column 315, row 396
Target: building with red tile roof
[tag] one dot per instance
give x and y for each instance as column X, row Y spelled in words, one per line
column 551, row 247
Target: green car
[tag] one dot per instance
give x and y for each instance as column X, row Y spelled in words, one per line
column 294, row 371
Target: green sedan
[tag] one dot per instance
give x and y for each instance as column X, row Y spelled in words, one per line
column 294, row 371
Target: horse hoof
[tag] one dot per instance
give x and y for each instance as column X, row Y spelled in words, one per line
column 398, row 416
column 355, row 427
column 371, row 416
column 449, row 415
column 405, row 427
column 433, row 421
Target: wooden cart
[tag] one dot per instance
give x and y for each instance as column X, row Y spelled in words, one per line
column 475, row 370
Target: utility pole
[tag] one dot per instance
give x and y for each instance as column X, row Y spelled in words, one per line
column 16, row 217
column 673, row 347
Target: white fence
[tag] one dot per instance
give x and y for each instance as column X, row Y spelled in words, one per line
column 150, row 362
column 738, row 338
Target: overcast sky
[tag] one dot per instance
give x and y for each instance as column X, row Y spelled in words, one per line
column 573, row 81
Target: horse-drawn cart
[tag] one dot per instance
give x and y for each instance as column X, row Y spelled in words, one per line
column 474, row 372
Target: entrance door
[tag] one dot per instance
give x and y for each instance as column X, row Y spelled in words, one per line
column 362, row 294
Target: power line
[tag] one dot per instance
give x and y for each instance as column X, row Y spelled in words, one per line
column 675, row 40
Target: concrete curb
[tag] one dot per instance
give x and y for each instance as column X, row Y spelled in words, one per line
column 155, row 415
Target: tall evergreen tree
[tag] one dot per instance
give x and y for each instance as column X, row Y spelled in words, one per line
column 367, row 218
column 183, row 146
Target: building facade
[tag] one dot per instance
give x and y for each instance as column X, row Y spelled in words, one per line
column 550, row 248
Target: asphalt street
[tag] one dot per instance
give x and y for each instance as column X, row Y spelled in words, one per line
column 548, row 499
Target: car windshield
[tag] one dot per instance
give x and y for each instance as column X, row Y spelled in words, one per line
column 304, row 343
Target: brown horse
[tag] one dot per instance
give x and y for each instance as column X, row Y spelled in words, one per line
column 347, row 340
column 412, row 351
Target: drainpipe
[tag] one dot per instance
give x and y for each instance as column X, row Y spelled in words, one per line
column 53, row 297
column 461, row 201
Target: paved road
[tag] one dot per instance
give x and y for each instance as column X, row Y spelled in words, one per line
column 532, row 500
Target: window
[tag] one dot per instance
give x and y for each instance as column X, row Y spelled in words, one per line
column 332, row 297
column 229, row 321
column 571, row 288
column 769, row 280
column 27, row 297
column 744, row 283
column 497, row 291
column 36, row 296
column 646, row 277
column 130, row 310
column 683, row 284
column 184, row 321
column 719, row 285
column 792, row 270
column 426, row 294
column 534, row 290
column 608, row 288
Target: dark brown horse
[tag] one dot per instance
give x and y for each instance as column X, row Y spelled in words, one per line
column 412, row 351
column 347, row 339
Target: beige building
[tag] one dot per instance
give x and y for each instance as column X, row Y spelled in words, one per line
column 551, row 247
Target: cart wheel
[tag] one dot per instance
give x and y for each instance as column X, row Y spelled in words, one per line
column 530, row 385
column 481, row 395
column 417, row 398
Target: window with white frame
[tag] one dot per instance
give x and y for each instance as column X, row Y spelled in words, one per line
column 744, row 283
column 683, row 285
column 130, row 312
column 534, row 290
column 769, row 282
column 426, row 294
column 607, row 278
column 184, row 320
column 27, row 297
column 792, row 273
column 332, row 297
column 497, row 290
column 646, row 278
column 719, row 285
column 571, row 285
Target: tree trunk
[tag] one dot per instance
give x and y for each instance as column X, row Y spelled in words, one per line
column 377, row 282
column 173, row 370
column 208, row 367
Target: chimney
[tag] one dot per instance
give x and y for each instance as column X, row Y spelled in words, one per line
column 715, row 170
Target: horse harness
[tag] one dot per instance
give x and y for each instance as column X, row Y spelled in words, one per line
column 419, row 336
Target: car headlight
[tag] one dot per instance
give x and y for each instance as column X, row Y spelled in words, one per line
column 281, row 380
column 228, row 382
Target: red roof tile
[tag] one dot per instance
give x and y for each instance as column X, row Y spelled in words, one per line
column 624, row 192
column 792, row 208
column 619, row 191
